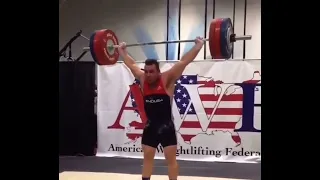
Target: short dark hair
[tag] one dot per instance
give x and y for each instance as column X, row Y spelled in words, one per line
column 149, row 62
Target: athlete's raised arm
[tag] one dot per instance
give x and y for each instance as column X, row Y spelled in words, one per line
column 176, row 71
column 129, row 61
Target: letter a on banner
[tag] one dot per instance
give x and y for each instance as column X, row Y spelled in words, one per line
column 139, row 106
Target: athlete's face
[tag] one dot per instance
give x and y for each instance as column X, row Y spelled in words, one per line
column 151, row 73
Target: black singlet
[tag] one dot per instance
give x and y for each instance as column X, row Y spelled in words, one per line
column 157, row 103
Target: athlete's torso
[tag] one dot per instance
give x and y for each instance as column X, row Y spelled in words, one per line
column 157, row 103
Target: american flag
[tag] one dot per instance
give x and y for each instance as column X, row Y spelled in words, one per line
column 225, row 117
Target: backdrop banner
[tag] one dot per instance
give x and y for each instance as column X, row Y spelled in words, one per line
column 216, row 110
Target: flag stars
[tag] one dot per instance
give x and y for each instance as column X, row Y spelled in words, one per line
column 182, row 97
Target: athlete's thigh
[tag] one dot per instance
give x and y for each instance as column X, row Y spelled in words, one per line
column 168, row 136
column 148, row 152
column 169, row 140
column 150, row 137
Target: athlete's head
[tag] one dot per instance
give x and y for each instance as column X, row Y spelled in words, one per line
column 151, row 70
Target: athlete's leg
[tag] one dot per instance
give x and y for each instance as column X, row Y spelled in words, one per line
column 148, row 160
column 169, row 144
column 149, row 144
column 170, row 155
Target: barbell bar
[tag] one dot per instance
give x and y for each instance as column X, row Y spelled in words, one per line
column 202, row 60
column 234, row 39
column 104, row 43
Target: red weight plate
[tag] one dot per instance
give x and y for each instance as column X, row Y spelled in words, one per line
column 98, row 49
column 101, row 40
column 217, row 39
column 214, row 38
column 91, row 45
column 211, row 37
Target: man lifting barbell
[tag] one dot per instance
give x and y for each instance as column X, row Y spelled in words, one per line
column 158, row 89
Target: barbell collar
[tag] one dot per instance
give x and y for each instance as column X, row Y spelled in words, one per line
column 242, row 38
column 86, row 49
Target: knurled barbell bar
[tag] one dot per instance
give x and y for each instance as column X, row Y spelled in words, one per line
column 104, row 43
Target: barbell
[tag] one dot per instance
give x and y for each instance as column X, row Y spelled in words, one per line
column 104, row 43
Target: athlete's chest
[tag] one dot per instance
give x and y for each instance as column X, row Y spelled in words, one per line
column 157, row 88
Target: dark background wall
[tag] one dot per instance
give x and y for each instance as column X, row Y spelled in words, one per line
column 148, row 20
column 77, row 121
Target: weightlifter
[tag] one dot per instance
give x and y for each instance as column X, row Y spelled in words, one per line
column 158, row 89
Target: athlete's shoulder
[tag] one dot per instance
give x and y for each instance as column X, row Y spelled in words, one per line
column 165, row 78
column 142, row 81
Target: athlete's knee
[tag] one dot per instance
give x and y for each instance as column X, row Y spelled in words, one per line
column 173, row 164
column 148, row 152
column 170, row 155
